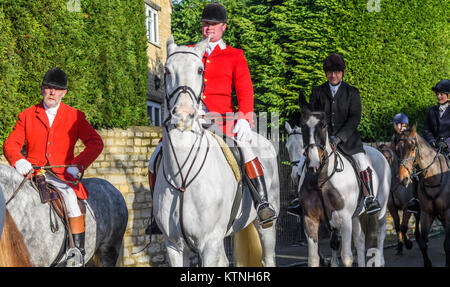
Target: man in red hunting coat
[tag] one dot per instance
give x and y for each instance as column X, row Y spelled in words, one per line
column 226, row 68
column 50, row 131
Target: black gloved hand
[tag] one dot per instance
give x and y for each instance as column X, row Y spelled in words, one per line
column 442, row 145
column 433, row 144
column 335, row 140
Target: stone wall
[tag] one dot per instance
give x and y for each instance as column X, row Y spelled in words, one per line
column 123, row 163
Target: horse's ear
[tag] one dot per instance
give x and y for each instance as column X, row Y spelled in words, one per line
column 170, row 44
column 302, row 101
column 288, row 128
column 413, row 130
column 377, row 143
column 201, row 46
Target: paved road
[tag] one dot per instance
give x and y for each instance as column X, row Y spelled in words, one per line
column 290, row 256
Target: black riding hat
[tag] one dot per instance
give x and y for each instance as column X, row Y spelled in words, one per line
column 443, row 86
column 334, row 62
column 214, row 12
column 55, row 78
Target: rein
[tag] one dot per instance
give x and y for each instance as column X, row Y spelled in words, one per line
column 48, row 169
column 323, row 163
column 184, row 179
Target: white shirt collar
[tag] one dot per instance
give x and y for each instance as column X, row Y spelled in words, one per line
column 334, row 89
column 442, row 108
column 51, row 111
column 212, row 46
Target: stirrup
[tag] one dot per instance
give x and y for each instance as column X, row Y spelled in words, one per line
column 372, row 209
column 265, row 207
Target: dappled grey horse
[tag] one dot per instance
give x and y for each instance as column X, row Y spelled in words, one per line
column 43, row 231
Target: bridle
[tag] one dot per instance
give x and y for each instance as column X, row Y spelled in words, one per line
column 184, row 178
column 182, row 89
column 415, row 172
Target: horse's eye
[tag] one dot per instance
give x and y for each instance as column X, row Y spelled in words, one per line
column 166, row 71
column 200, row 70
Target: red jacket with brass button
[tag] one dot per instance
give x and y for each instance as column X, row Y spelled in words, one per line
column 54, row 145
column 223, row 70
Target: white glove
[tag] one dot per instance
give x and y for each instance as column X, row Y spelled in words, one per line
column 23, row 166
column 73, row 171
column 243, row 130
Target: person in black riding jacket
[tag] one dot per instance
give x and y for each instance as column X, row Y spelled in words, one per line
column 436, row 130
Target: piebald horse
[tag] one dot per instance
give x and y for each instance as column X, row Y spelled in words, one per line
column 330, row 193
column 399, row 196
column 418, row 158
column 195, row 186
column 43, row 232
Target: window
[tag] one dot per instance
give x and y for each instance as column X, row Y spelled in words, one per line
column 152, row 24
column 154, row 111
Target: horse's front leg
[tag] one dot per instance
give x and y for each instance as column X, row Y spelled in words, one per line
column 346, row 242
column 425, row 224
column 360, row 242
column 213, row 253
column 447, row 238
column 396, row 218
column 311, row 227
column 175, row 256
column 404, row 228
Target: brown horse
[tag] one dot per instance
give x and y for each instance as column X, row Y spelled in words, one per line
column 418, row 158
column 399, row 196
column 13, row 252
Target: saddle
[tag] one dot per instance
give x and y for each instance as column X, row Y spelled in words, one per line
column 235, row 160
column 49, row 194
column 360, row 204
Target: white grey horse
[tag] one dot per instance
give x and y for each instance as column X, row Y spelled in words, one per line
column 330, row 192
column 106, row 220
column 294, row 146
column 2, row 212
column 195, row 186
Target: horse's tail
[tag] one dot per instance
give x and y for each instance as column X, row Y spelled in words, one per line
column 247, row 247
column 13, row 251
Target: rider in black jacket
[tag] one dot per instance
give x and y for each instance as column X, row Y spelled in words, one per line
column 342, row 105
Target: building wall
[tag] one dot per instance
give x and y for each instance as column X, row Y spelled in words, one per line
column 157, row 53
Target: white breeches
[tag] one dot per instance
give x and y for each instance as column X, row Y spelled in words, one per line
column 361, row 161
column 69, row 196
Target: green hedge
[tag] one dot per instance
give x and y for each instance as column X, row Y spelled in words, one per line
column 393, row 56
column 102, row 48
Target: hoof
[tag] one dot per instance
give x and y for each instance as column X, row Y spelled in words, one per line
column 408, row 244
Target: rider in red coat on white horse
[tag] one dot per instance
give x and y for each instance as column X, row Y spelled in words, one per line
column 50, row 131
column 225, row 68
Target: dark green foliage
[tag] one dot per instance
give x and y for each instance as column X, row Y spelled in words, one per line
column 101, row 47
column 393, row 56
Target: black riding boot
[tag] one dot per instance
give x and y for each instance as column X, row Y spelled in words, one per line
column 370, row 202
column 153, row 227
column 266, row 213
column 78, row 241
